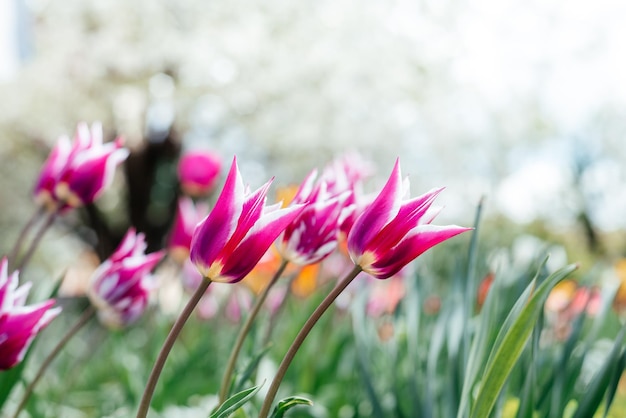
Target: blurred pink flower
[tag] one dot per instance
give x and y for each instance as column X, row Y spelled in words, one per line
column 120, row 288
column 347, row 174
column 384, row 296
column 566, row 301
column 391, row 232
column 188, row 215
column 198, row 172
column 231, row 240
column 76, row 174
column 233, row 301
column 19, row 324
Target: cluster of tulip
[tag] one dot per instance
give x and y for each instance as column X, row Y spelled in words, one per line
column 381, row 233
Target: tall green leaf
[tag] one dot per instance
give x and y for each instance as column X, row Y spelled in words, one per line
column 598, row 386
column 512, row 345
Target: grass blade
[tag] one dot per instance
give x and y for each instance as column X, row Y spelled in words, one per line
column 594, row 394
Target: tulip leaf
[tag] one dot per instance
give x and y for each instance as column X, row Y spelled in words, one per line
column 235, row 402
column 251, row 368
column 610, row 394
column 481, row 343
column 596, row 389
column 506, row 354
column 8, row 379
column 286, row 404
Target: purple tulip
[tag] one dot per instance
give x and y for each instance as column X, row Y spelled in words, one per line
column 121, row 287
column 19, row 324
column 231, row 240
column 391, row 232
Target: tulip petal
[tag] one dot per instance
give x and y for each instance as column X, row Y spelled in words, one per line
column 408, row 216
column 413, row 245
column 250, row 214
column 243, row 259
column 305, row 189
column 380, row 212
column 213, row 233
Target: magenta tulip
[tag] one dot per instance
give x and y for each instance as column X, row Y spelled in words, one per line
column 391, row 232
column 188, row 215
column 19, row 324
column 231, row 240
column 313, row 234
column 75, row 175
column 120, row 288
column 198, row 172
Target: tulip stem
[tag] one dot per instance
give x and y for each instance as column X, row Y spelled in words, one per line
column 243, row 332
column 84, row 318
column 304, row 332
column 24, row 232
column 144, row 406
column 36, row 239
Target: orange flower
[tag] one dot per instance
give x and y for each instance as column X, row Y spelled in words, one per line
column 306, row 281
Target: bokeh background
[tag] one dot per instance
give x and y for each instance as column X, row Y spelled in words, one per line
column 521, row 102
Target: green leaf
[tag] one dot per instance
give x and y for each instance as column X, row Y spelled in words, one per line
column 9, row 378
column 286, row 404
column 512, row 344
column 610, row 393
column 527, row 400
column 520, row 305
column 480, row 345
column 251, row 368
column 235, row 402
column 596, row 389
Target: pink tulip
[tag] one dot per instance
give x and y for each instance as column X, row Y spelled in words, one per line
column 76, row 174
column 198, row 172
column 343, row 174
column 391, row 232
column 121, row 287
column 187, row 217
column 231, row 240
column 19, row 324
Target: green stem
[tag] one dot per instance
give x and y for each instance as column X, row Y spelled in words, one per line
column 84, row 318
column 144, row 406
column 22, row 236
column 304, row 332
column 36, row 239
column 243, row 332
